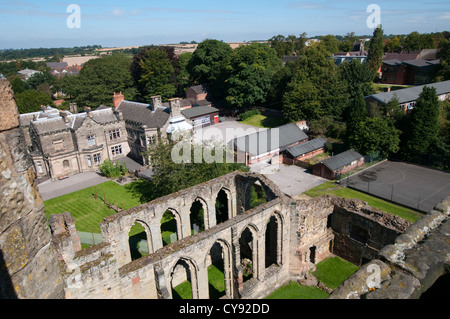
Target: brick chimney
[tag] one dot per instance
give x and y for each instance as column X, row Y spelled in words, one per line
column 175, row 107
column 118, row 97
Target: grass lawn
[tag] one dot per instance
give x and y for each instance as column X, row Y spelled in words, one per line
column 264, row 121
column 334, row 271
column 296, row 291
column 331, row 188
column 88, row 212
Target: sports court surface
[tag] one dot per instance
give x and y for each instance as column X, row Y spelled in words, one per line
column 411, row 185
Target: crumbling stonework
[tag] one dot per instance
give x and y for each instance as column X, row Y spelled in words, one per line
column 411, row 265
column 28, row 267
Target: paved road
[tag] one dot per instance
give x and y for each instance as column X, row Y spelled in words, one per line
column 72, row 184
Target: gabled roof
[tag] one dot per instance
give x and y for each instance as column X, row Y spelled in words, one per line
column 200, row 89
column 144, row 114
column 341, row 160
column 307, row 147
column 269, row 140
column 411, row 94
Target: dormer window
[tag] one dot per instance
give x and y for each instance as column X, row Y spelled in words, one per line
column 114, row 134
column 91, row 140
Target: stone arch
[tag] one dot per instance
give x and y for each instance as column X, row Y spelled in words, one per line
column 144, row 245
column 248, row 248
column 259, row 189
column 274, row 240
column 195, row 215
column 178, row 226
column 223, row 202
column 227, row 266
column 177, row 278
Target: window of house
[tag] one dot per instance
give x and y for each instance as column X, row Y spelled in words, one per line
column 39, row 167
column 89, row 160
column 91, row 140
column 97, row 159
column 114, row 134
column 152, row 140
column 116, row 150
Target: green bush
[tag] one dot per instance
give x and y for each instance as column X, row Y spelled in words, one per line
column 249, row 114
column 112, row 170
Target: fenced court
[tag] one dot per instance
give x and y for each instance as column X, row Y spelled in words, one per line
column 407, row 184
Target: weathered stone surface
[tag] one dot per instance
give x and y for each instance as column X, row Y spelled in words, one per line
column 28, row 267
column 358, row 284
column 9, row 118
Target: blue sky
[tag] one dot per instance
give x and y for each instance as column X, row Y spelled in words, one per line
column 26, row 23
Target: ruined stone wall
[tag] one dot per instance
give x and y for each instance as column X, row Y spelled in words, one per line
column 28, row 266
column 409, row 266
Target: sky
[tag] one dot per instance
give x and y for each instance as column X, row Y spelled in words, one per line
column 44, row 23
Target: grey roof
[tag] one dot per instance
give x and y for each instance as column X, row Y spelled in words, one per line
column 143, row 114
column 411, row 94
column 341, row 160
column 50, row 125
column 420, row 63
column 200, row 89
column 269, row 140
column 307, row 147
column 197, row 111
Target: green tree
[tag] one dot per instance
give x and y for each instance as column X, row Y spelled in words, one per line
column 170, row 177
column 31, row 101
column 330, row 43
column 422, row 127
column 153, row 73
column 317, row 68
column 112, row 169
column 301, row 102
column 98, row 80
column 443, row 53
column 376, row 50
column 251, row 70
column 357, row 113
column 208, row 65
column 184, row 76
column 375, row 135
column 358, row 77
column 394, row 45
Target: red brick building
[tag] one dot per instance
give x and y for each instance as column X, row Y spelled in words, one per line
column 337, row 165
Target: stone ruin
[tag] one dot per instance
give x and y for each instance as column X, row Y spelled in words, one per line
column 283, row 238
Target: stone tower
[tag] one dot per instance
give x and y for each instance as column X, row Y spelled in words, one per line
column 28, row 265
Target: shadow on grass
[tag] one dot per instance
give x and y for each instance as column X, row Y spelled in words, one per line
column 142, row 189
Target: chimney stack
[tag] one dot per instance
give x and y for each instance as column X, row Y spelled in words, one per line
column 63, row 114
column 175, row 107
column 156, row 101
column 118, row 97
column 88, row 110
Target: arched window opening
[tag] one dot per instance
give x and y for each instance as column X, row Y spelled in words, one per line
column 197, row 217
column 312, row 254
column 169, row 228
column 272, row 242
column 216, row 272
column 181, row 281
column 222, row 207
column 257, row 195
column 138, row 241
column 246, row 254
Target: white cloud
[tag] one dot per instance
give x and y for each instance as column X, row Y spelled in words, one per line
column 445, row 16
column 118, row 12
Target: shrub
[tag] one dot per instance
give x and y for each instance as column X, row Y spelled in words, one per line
column 112, row 170
column 249, row 114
